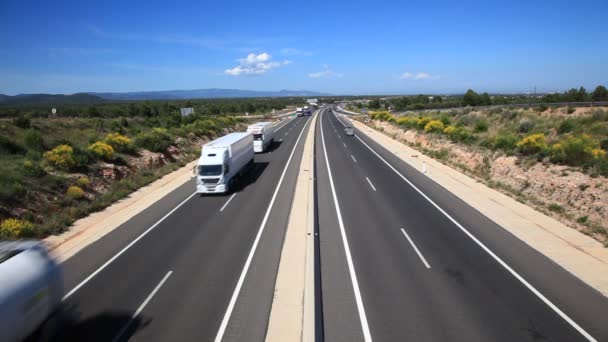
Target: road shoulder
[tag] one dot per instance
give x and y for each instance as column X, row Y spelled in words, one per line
column 579, row 254
column 95, row 226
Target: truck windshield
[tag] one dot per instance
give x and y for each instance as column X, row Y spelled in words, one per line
column 210, row 170
column 258, row 136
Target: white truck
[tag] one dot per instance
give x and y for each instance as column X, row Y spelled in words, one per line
column 31, row 288
column 263, row 135
column 299, row 111
column 222, row 161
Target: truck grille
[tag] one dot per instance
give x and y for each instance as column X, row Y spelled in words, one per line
column 210, row 180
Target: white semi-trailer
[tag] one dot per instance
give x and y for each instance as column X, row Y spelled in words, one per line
column 299, row 111
column 263, row 135
column 31, row 288
column 222, row 161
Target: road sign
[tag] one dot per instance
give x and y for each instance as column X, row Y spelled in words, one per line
column 54, row 111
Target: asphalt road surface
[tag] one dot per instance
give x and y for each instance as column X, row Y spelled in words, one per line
column 402, row 265
column 183, row 278
column 399, row 259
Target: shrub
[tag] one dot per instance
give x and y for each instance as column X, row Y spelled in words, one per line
column 22, row 122
column 542, row 108
column 449, row 130
column 156, row 140
column 481, row 126
column 101, row 150
column 382, row 116
column 402, row 121
column 526, row 125
column 461, row 134
column 434, row 126
column 532, row 144
column 570, row 110
column 83, row 181
column 391, row 119
column 32, row 169
column 505, row 142
column 566, row 126
column 421, row 123
column 119, row 142
column 34, row 140
column 14, row 228
column 61, row 157
column 556, row 208
column 8, row 146
column 582, row 219
column 576, row 150
column 74, row 192
column 445, row 120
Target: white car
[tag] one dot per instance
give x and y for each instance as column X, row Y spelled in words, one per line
column 31, row 288
column 349, row 131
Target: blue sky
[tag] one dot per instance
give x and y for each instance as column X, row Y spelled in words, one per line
column 342, row 47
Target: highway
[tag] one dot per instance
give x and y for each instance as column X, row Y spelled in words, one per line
column 399, row 259
column 189, row 268
column 404, row 260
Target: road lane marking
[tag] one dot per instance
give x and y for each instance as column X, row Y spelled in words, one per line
column 239, row 284
column 228, row 201
column 283, row 125
column 344, row 145
column 141, row 307
column 370, row 184
column 349, row 259
column 487, row 250
column 102, row 267
column 355, row 160
column 416, row 249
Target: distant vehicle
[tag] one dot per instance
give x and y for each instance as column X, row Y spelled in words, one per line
column 222, row 161
column 263, row 135
column 349, row 131
column 299, row 111
column 31, row 288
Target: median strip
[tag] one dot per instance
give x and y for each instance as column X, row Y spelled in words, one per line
column 292, row 312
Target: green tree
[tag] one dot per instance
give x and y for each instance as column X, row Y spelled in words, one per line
column 581, row 94
column 374, row 104
column 600, row 94
column 470, row 98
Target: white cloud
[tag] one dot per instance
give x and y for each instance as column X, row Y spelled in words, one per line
column 326, row 73
column 295, row 52
column 418, row 76
column 255, row 65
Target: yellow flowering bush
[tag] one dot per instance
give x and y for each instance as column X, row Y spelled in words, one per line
column 74, row 192
column 101, row 150
column 119, row 142
column 533, row 143
column 434, row 126
column 60, row 157
column 14, row 228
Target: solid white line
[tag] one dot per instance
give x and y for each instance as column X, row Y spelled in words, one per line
column 370, row 184
column 487, row 250
column 142, row 306
column 228, row 201
column 82, row 283
column 416, row 249
column 344, row 144
column 349, row 260
column 239, row 284
column 355, row 160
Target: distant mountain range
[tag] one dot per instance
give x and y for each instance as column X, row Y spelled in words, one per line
column 203, row 94
column 86, row 98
